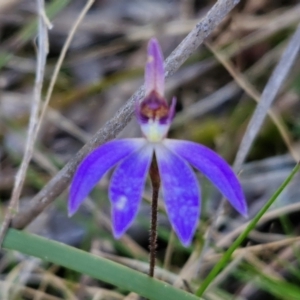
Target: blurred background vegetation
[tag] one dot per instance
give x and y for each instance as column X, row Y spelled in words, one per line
column 102, row 69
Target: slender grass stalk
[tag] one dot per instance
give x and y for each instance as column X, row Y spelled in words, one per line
column 226, row 257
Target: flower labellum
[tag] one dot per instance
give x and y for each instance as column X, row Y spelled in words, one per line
column 132, row 158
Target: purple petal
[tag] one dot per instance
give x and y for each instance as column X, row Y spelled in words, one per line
column 127, row 185
column 215, row 168
column 154, row 71
column 181, row 193
column 95, row 165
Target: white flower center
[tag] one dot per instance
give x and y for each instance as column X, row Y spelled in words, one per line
column 154, row 131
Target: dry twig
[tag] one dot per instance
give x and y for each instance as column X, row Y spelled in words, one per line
column 42, row 51
column 267, row 98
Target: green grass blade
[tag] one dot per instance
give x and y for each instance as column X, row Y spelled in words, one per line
column 280, row 289
column 277, row 288
column 94, row 266
column 226, row 257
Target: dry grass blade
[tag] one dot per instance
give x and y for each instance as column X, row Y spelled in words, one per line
column 242, row 81
column 268, row 96
column 42, row 51
column 123, row 116
column 257, row 249
column 226, row 271
column 226, row 92
column 18, row 275
column 227, row 239
column 29, row 292
column 61, row 59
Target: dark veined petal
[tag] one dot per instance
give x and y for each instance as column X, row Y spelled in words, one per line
column 126, row 188
column 181, row 193
column 214, row 167
column 95, row 165
column 154, row 70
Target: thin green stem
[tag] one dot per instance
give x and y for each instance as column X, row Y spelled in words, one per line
column 226, row 257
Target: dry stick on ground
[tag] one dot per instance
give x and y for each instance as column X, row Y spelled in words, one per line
column 60, row 182
column 42, row 51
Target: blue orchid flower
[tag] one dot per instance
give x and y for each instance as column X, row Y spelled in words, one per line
column 180, row 187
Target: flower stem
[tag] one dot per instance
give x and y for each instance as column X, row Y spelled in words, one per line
column 155, row 180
